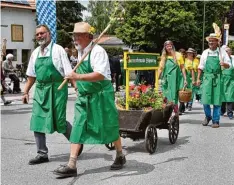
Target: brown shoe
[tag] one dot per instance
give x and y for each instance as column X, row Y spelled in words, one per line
column 215, row 125
column 65, row 171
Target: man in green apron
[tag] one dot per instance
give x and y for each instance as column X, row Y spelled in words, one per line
column 47, row 67
column 228, row 87
column 96, row 116
column 212, row 61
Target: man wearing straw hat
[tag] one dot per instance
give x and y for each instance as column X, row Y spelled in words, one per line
column 47, row 67
column 96, row 117
column 211, row 63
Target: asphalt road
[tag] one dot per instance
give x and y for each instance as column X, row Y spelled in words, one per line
column 201, row 155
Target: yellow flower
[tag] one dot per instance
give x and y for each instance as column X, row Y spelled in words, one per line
column 92, row 30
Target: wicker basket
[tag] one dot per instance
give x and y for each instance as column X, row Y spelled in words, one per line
column 185, row 95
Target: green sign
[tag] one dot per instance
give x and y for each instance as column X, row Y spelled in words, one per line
column 142, row 60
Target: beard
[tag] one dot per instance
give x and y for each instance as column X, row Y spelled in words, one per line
column 78, row 47
column 42, row 42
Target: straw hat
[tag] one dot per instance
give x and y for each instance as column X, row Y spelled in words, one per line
column 83, row 27
column 190, row 50
column 213, row 36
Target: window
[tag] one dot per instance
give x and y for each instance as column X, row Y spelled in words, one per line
column 17, row 34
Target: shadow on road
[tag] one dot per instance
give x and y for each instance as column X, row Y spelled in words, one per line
column 163, row 145
column 83, row 156
column 191, row 121
column 17, row 111
column 132, row 168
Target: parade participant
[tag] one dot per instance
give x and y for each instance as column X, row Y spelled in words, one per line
column 228, row 87
column 171, row 67
column 74, row 58
column 182, row 107
column 196, row 89
column 190, row 76
column 9, row 71
column 47, row 67
column 212, row 61
column 96, row 117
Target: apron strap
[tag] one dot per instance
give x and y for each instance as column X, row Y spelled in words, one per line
column 50, row 50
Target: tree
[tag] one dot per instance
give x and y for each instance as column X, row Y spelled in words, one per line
column 100, row 13
column 68, row 13
column 149, row 24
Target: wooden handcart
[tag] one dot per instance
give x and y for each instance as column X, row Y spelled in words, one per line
column 139, row 124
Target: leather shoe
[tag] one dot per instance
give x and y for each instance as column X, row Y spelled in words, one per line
column 215, row 125
column 206, row 121
column 65, row 171
column 38, row 160
column 118, row 163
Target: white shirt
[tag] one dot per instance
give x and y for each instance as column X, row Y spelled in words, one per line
column 204, row 55
column 59, row 57
column 99, row 60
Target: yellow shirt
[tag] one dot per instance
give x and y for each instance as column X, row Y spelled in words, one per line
column 179, row 58
column 188, row 64
column 196, row 64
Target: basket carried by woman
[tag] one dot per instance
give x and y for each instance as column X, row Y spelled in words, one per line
column 185, row 95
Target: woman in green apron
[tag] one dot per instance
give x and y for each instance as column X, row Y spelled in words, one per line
column 188, row 63
column 47, row 67
column 96, row 116
column 196, row 89
column 228, row 87
column 211, row 63
column 170, row 73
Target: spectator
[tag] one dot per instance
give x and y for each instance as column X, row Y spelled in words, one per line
column 9, row 71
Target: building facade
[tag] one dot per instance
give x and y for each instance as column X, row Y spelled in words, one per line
column 18, row 23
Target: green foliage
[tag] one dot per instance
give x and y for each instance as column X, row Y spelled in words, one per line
column 148, row 24
column 68, row 13
column 231, row 45
column 113, row 51
column 101, row 12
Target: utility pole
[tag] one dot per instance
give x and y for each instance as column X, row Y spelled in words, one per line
column 203, row 30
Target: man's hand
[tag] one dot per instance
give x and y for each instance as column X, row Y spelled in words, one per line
column 224, row 65
column 198, row 82
column 72, row 76
column 25, row 98
column 185, row 83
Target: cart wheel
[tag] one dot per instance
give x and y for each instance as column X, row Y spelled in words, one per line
column 151, row 138
column 110, row 146
column 173, row 129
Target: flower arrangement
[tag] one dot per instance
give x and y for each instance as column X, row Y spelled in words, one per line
column 142, row 97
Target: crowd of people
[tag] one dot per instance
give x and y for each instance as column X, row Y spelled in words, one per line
column 210, row 76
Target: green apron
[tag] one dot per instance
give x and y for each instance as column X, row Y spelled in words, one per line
column 189, row 78
column 212, row 86
column 171, row 81
column 228, row 84
column 96, row 117
column 49, row 104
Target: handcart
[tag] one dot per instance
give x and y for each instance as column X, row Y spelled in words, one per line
column 139, row 124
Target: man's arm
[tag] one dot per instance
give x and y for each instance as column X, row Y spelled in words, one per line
column 90, row 77
column 226, row 63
